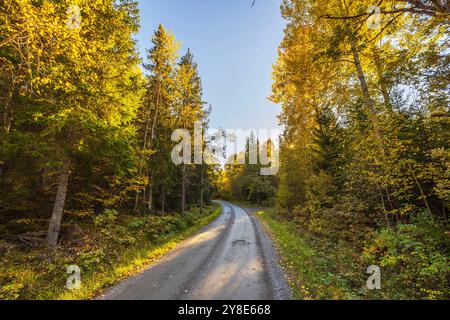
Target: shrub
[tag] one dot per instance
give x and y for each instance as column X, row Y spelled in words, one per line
column 108, row 217
column 414, row 259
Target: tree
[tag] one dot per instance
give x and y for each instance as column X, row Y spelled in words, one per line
column 188, row 109
column 342, row 67
column 242, row 179
column 79, row 79
column 156, row 112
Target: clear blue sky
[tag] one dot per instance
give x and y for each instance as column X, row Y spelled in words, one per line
column 235, row 46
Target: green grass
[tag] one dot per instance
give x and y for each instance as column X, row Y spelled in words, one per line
column 314, row 272
column 34, row 273
column 136, row 261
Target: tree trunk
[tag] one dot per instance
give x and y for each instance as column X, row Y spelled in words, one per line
column 58, row 208
column 8, row 113
column 424, row 197
column 163, row 199
column 155, row 118
column 136, row 201
column 144, row 195
column 183, row 191
column 202, row 178
column 146, row 144
column 370, row 104
column 150, row 197
column 152, row 138
column 444, row 212
column 384, row 208
column 382, row 79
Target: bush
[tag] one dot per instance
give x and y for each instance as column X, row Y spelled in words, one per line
column 108, row 217
column 414, row 259
column 349, row 219
column 10, row 291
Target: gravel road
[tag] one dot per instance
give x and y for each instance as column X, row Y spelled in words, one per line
column 230, row 259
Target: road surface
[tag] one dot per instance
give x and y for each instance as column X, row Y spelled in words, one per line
column 231, row 259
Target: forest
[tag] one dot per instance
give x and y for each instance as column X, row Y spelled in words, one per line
column 85, row 138
column 364, row 177
column 85, row 147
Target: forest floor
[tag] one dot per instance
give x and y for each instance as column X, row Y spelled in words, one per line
column 107, row 249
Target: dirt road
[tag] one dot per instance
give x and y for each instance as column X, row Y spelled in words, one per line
column 231, row 259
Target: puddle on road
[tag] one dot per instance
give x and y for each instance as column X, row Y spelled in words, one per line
column 241, row 243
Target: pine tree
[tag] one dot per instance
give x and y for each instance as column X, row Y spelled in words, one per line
column 188, row 110
column 81, row 81
column 156, row 113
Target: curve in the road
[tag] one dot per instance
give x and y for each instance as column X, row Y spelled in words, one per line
column 231, row 259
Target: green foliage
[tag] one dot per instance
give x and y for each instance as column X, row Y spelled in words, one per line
column 116, row 246
column 365, row 146
column 106, row 219
column 366, row 139
column 414, row 259
column 75, row 103
column 244, row 182
column 316, row 269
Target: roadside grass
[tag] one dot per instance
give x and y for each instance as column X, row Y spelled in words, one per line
column 115, row 250
column 314, row 271
column 247, row 204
